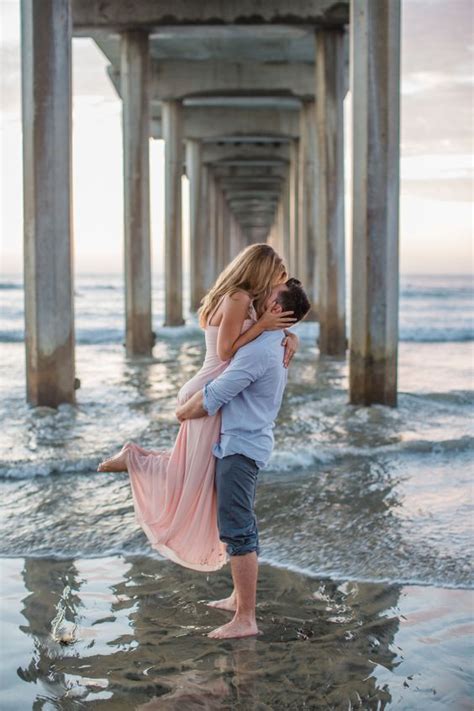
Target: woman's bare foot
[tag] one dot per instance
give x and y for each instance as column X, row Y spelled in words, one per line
column 117, row 463
column 237, row 627
column 227, row 603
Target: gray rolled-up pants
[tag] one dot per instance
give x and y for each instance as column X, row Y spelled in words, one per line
column 236, row 484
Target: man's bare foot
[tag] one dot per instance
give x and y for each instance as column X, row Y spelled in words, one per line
column 237, row 627
column 117, row 463
column 227, row 603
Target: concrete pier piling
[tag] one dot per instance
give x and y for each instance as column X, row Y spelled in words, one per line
column 48, row 249
column 294, row 182
column 137, row 253
column 331, row 235
column 173, row 137
column 249, row 99
column 197, row 233
column 375, row 80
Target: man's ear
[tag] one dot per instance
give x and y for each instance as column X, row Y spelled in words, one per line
column 277, row 308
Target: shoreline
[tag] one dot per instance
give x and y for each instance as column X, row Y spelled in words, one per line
column 304, row 572
column 141, row 639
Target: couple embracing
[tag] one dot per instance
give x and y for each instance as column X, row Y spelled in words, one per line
column 195, row 502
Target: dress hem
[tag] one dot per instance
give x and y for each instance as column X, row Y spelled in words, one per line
column 169, row 553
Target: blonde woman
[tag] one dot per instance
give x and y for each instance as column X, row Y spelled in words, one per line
column 173, row 491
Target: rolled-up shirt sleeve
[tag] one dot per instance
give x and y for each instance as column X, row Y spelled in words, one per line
column 246, row 366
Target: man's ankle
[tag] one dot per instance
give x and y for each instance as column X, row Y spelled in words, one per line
column 247, row 618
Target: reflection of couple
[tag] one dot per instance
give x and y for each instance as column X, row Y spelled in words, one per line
column 196, row 502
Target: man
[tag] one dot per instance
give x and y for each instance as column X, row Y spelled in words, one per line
column 249, row 392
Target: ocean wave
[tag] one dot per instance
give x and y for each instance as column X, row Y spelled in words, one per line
column 98, row 336
column 281, row 461
column 84, row 337
column 337, row 575
column 305, row 457
column 437, row 335
column 8, row 285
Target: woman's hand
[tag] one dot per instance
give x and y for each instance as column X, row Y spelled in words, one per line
column 291, row 343
column 269, row 321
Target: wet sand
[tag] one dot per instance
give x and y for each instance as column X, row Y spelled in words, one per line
column 140, row 628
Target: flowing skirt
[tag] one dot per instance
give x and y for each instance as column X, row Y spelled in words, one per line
column 174, row 496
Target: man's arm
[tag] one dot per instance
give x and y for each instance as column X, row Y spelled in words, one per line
column 246, row 366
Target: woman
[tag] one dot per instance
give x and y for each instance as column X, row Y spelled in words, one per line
column 173, row 491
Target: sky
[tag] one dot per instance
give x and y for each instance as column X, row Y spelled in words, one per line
column 436, row 215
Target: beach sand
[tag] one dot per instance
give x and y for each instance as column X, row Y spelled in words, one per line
column 140, row 628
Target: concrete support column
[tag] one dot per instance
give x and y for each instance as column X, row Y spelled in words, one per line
column 204, row 226
column 293, row 181
column 220, row 230
column 171, row 112
column 48, row 248
column 135, row 61
column 197, row 254
column 285, row 220
column 211, row 249
column 375, row 80
column 307, row 200
column 331, row 246
column 227, row 235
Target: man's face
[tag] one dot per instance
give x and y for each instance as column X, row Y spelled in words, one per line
column 274, row 295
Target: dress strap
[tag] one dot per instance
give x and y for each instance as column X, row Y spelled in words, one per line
column 215, row 310
column 252, row 312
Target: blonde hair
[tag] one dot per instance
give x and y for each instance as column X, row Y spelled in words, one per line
column 256, row 270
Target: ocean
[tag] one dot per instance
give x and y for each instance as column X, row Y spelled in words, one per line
column 351, row 492
column 365, row 518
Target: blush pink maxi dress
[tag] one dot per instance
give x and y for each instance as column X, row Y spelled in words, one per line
column 173, row 490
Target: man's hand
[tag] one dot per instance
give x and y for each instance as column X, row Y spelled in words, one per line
column 291, row 343
column 192, row 408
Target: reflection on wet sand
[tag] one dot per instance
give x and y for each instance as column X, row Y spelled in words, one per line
column 142, row 642
column 141, row 638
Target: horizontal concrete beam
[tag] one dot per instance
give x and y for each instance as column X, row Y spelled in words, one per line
column 248, row 172
column 217, row 83
column 205, row 123
column 241, row 184
column 123, row 14
column 213, row 152
column 248, row 138
column 260, row 193
column 180, row 79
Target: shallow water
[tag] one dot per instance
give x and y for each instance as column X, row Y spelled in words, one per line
column 140, row 627
column 365, row 516
column 378, row 494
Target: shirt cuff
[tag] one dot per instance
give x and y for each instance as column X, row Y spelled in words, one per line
column 209, row 401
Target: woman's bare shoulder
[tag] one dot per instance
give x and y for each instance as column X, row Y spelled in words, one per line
column 238, row 297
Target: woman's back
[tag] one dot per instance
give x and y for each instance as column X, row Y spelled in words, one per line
column 212, row 365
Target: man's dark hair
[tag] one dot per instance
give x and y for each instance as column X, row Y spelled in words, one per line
column 294, row 299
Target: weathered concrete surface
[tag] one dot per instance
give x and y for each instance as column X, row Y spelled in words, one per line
column 181, row 79
column 293, row 178
column 214, row 152
column 376, row 130
column 197, row 256
column 137, row 257
column 330, row 199
column 48, row 269
column 284, row 225
column 211, row 241
column 307, row 216
column 121, row 14
column 213, row 122
column 173, row 135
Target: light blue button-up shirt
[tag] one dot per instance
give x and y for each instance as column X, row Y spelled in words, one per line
column 249, row 391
